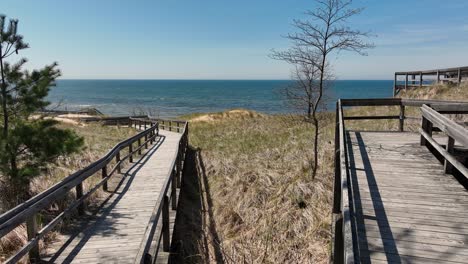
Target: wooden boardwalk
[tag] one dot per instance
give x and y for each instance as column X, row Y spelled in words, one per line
column 407, row 210
column 115, row 234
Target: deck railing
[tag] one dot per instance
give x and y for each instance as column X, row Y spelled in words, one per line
column 450, row 75
column 168, row 195
column 345, row 243
column 27, row 212
column 455, row 133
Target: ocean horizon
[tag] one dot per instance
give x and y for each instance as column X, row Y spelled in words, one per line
column 172, row 98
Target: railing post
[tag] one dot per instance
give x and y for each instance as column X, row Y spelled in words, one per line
column 79, row 194
column 406, row 81
column 420, row 79
column 104, row 175
column 450, row 144
column 174, row 189
column 179, row 165
column 402, row 117
column 139, row 124
column 31, row 229
column 438, row 76
column 146, row 141
column 145, row 125
column 130, row 152
column 395, row 85
column 117, row 159
column 170, row 125
column 426, row 127
column 139, row 145
column 165, row 225
column 459, row 76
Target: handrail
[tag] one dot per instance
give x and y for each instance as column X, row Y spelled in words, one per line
column 454, row 132
column 445, row 106
column 344, row 251
column 27, row 211
column 172, row 182
column 453, row 75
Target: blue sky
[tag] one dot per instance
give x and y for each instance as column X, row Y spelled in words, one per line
column 215, row 39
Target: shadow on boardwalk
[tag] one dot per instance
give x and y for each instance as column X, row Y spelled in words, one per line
column 406, row 209
column 100, row 221
column 195, row 233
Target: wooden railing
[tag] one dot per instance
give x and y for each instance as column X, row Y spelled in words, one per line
column 342, row 244
column 168, row 196
column 27, row 212
column 450, row 75
column 455, row 133
column 345, row 243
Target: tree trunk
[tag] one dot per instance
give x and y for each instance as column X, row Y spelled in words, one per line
column 4, row 96
column 316, row 138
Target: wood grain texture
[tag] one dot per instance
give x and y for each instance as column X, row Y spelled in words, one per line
column 407, row 210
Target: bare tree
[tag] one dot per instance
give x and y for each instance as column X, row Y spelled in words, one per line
column 326, row 32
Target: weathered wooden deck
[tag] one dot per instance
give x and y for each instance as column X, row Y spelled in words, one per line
column 407, row 209
column 116, row 233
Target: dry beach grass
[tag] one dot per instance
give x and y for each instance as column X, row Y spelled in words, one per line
column 98, row 140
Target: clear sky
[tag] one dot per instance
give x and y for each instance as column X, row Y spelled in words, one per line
column 218, row 39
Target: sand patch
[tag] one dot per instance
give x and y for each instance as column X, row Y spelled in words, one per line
column 231, row 114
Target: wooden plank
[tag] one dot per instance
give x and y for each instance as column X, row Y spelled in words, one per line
column 123, row 220
column 396, row 212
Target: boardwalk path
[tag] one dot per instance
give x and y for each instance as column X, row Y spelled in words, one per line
column 407, row 209
column 114, row 234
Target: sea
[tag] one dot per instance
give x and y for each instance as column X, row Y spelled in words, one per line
column 172, row 98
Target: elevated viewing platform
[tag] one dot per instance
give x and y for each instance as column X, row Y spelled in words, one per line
column 400, row 196
column 414, row 79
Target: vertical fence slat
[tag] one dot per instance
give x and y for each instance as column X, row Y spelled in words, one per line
column 117, row 159
column 104, row 175
column 79, row 194
column 31, row 229
column 165, row 226
column 448, row 167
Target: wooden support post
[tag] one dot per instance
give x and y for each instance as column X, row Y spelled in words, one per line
column 139, row 124
column 104, row 175
column 146, row 141
column 438, row 76
column 406, row 82
column 402, row 117
column 31, row 229
column 179, row 166
column 424, row 128
column 139, row 145
column 420, row 80
column 450, row 144
column 395, row 81
column 165, row 225
column 117, row 159
column 178, row 128
column 174, row 190
column 145, row 125
column 459, row 76
column 79, row 194
column 130, row 152
column 413, row 79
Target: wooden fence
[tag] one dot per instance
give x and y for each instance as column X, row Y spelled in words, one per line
column 450, row 75
column 345, row 243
